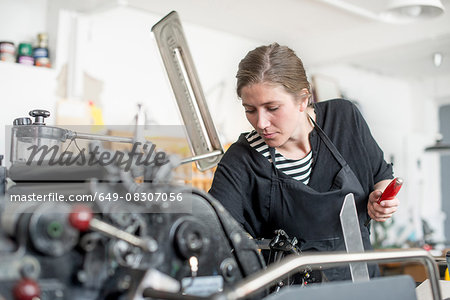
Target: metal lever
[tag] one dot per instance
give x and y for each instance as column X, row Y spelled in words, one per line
column 203, row 138
column 82, row 218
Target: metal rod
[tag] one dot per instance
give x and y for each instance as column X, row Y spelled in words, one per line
column 99, row 137
column 119, row 139
column 202, row 156
column 105, row 228
column 290, row 264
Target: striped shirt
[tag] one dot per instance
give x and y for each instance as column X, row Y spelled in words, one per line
column 299, row 169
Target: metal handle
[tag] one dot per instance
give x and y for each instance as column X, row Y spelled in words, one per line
column 39, row 116
column 188, row 92
column 290, row 264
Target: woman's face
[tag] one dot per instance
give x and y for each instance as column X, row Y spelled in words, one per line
column 274, row 113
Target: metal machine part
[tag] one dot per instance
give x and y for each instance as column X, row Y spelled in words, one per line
column 259, row 281
column 99, row 264
column 25, row 137
column 50, row 232
column 352, row 237
column 282, row 242
column 39, row 116
column 31, row 135
column 279, row 247
column 22, row 121
column 190, row 237
column 188, row 92
column 122, row 240
column 81, row 218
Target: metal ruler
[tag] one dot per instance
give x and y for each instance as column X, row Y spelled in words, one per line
column 352, row 237
column 203, row 138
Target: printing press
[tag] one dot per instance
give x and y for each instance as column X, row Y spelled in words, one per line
column 144, row 235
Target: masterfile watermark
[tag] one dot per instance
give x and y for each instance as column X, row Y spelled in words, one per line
column 109, row 169
column 144, row 155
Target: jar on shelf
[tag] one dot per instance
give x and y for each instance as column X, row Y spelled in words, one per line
column 7, row 51
column 25, row 54
column 40, row 53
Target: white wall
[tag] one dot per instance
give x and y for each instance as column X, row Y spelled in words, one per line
column 22, row 20
column 121, row 51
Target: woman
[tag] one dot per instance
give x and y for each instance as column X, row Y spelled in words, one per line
column 294, row 169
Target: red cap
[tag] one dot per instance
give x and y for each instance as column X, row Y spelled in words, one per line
column 80, row 217
column 26, row 289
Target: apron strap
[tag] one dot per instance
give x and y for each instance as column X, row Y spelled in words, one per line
column 337, row 155
column 324, row 137
column 272, row 156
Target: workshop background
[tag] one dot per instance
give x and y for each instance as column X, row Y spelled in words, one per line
column 104, row 62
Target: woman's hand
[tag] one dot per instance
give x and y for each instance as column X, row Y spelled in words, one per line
column 383, row 211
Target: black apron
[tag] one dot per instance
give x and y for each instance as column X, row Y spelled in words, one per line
column 313, row 217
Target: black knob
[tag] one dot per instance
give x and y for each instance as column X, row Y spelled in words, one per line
column 191, row 238
column 39, row 116
column 22, row 121
column 229, row 269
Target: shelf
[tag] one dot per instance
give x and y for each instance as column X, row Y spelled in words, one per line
column 15, row 67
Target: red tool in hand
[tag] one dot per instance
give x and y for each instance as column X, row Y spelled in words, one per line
column 389, row 192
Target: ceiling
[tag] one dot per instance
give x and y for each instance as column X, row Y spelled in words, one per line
column 320, row 33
